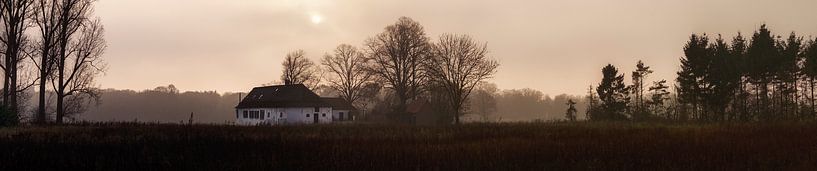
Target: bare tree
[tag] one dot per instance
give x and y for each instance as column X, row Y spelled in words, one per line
column 47, row 18
column 79, row 60
column 14, row 15
column 397, row 55
column 458, row 64
column 300, row 70
column 483, row 100
column 348, row 74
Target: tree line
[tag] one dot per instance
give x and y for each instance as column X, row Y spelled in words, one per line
column 766, row 77
column 406, row 62
column 55, row 46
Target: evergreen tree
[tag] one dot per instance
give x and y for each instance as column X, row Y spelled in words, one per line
column 638, row 77
column 571, row 110
column 592, row 104
column 690, row 85
column 613, row 94
column 738, row 56
column 761, row 56
column 787, row 75
column 810, row 71
column 658, row 96
column 722, row 78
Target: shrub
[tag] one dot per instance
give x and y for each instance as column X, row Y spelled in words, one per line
column 8, row 118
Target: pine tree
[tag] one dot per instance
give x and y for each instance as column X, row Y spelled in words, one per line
column 761, row 56
column 640, row 73
column 722, row 77
column 787, row 75
column 592, row 104
column 658, row 96
column 690, row 85
column 738, row 58
column 810, row 71
column 613, row 94
column 571, row 110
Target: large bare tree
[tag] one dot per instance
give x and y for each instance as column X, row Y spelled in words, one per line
column 47, row 19
column 396, row 55
column 80, row 45
column 348, row 75
column 458, row 64
column 77, row 88
column 297, row 69
column 15, row 21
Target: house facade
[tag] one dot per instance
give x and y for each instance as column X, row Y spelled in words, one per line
column 290, row 104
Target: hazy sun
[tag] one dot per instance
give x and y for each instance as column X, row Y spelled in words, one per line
column 316, row 19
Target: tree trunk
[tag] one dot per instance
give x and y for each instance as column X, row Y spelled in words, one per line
column 6, row 86
column 12, row 105
column 811, row 82
column 456, row 112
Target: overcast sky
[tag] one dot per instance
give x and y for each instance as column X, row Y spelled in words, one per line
column 556, row 46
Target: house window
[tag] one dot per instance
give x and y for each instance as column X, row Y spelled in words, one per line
column 317, row 109
column 281, row 115
column 340, row 115
column 324, row 115
column 307, row 115
column 245, row 114
column 262, row 114
column 256, row 115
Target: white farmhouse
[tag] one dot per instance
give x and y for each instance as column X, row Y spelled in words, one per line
column 290, row 104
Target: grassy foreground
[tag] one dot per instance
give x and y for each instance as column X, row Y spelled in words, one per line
column 379, row 147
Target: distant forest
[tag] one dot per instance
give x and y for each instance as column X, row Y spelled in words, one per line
column 167, row 105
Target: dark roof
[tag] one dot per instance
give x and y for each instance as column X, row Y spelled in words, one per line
column 339, row 104
column 296, row 95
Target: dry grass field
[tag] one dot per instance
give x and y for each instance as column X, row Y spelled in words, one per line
column 512, row 146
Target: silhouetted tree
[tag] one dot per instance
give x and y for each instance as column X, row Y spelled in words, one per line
column 570, row 114
column 80, row 43
column 483, row 101
column 76, row 72
column 694, row 66
column 396, row 55
column 787, row 75
column 761, row 56
column 613, row 94
column 48, row 17
column 641, row 72
column 458, row 63
column 347, row 72
column 658, row 97
column 592, row 104
column 15, row 21
column 738, row 50
column 297, row 69
column 722, row 78
column 810, row 70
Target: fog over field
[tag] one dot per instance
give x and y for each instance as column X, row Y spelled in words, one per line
column 168, row 105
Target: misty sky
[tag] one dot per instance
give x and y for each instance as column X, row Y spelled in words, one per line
column 556, row 46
